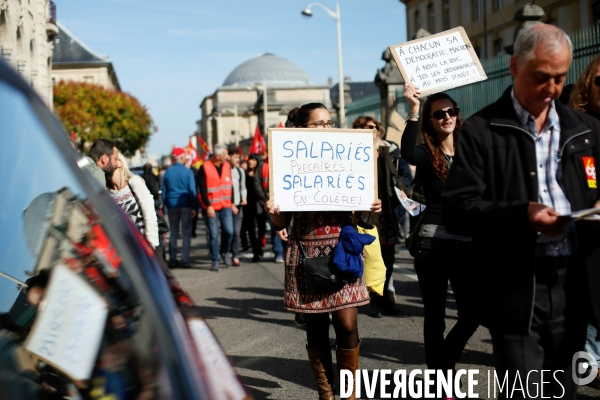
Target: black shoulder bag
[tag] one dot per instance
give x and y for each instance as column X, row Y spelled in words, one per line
column 324, row 276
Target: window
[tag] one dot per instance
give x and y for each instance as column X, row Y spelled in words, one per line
column 233, row 132
column 498, row 46
column 417, row 20
column 446, row 15
column 476, row 15
column 431, row 16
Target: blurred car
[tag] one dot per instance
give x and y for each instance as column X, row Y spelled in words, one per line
column 87, row 309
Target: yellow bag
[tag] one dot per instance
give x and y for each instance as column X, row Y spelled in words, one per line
column 374, row 267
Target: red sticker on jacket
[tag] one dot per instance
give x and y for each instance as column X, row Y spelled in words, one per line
column 589, row 166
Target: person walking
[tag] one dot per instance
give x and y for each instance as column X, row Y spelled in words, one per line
column 179, row 196
column 316, row 232
column 131, row 194
column 102, row 159
column 521, row 163
column 440, row 256
column 256, row 219
column 240, row 194
column 387, row 226
column 215, row 194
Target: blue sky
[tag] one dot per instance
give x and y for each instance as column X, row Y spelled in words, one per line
column 170, row 54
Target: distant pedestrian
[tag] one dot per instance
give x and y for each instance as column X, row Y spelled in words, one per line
column 151, row 182
column 256, row 218
column 179, row 196
column 215, row 193
column 239, row 200
column 520, row 164
column 102, row 160
column 441, row 256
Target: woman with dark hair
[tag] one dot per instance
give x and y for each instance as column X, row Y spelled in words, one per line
column 318, row 232
column 254, row 214
column 440, row 255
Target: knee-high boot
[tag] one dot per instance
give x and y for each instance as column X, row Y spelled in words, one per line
column 321, row 365
column 348, row 359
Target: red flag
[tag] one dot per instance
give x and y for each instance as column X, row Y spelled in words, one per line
column 258, row 145
column 205, row 149
column 280, row 125
column 196, row 161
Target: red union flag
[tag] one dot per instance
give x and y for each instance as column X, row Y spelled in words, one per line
column 205, row 149
column 191, row 149
column 258, row 143
column 589, row 167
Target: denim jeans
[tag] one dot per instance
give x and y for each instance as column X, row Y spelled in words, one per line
column 182, row 215
column 275, row 241
column 237, row 228
column 225, row 216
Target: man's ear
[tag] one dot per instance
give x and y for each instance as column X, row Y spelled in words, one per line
column 104, row 159
column 513, row 66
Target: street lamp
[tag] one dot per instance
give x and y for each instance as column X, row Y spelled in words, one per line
column 308, row 13
column 235, row 115
column 263, row 88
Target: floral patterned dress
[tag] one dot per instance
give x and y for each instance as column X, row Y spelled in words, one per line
column 318, row 232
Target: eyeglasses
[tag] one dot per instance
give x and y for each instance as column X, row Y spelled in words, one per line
column 368, row 127
column 321, row 124
column 440, row 114
column 597, row 81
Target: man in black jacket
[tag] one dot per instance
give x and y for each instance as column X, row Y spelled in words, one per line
column 521, row 163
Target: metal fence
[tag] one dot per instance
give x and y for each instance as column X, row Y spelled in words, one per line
column 474, row 97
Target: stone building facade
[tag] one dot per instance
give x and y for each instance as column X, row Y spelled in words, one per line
column 287, row 85
column 496, row 20
column 27, row 30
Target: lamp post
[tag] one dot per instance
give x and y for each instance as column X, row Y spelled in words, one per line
column 237, row 127
column 308, row 13
column 263, row 88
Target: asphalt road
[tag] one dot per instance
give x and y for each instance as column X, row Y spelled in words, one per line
column 244, row 307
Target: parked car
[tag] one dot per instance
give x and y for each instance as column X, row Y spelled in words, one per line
column 87, row 309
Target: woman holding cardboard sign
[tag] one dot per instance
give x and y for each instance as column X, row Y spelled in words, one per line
column 440, row 255
column 315, row 234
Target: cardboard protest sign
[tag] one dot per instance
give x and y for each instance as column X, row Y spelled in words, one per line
column 322, row 169
column 439, row 62
column 70, row 324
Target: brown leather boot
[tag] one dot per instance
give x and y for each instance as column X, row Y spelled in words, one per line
column 322, row 369
column 348, row 359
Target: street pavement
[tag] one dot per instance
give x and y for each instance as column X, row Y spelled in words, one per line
column 244, row 308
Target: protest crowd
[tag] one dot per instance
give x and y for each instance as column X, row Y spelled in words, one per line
column 489, row 201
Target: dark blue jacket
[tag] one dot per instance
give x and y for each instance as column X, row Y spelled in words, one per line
column 179, row 188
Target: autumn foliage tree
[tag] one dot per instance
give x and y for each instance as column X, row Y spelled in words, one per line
column 91, row 112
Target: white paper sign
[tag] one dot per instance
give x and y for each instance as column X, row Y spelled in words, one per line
column 439, row 62
column 68, row 330
column 322, row 169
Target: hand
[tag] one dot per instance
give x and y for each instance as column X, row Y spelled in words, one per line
column 545, row 219
column 376, row 206
column 193, row 214
column 411, row 94
column 210, row 212
column 271, row 208
column 234, row 209
column 244, row 202
column 283, row 235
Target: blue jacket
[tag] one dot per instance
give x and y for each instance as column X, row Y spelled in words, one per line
column 179, row 188
column 347, row 253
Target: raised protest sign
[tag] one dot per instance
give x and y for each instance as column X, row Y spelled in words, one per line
column 69, row 325
column 439, row 62
column 322, row 169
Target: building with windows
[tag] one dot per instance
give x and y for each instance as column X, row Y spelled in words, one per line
column 492, row 24
column 232, row 112
column 27, row 30
column 74, row 61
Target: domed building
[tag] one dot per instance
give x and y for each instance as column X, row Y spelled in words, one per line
column 288, row 86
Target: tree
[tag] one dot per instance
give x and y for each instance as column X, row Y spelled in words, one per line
column 91, row 112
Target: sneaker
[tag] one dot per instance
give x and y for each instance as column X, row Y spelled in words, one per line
column 236, row 262
column 299, row 319
column 215, row 266
column 375, row 311
column 185, row 265
column 278, row 260
column 227, row 259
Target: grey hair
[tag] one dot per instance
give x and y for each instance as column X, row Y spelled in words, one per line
column 219, row 149
column 532, row 36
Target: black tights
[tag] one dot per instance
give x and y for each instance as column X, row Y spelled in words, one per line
column 345, row 324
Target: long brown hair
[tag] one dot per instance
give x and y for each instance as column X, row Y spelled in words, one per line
column 440, row 164
column 579, row 95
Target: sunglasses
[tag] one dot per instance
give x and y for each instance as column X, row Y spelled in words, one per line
column 597, row 81
column 440, row 114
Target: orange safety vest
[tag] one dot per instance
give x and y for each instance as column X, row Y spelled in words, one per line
column 219, row 187
column 265, row 176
